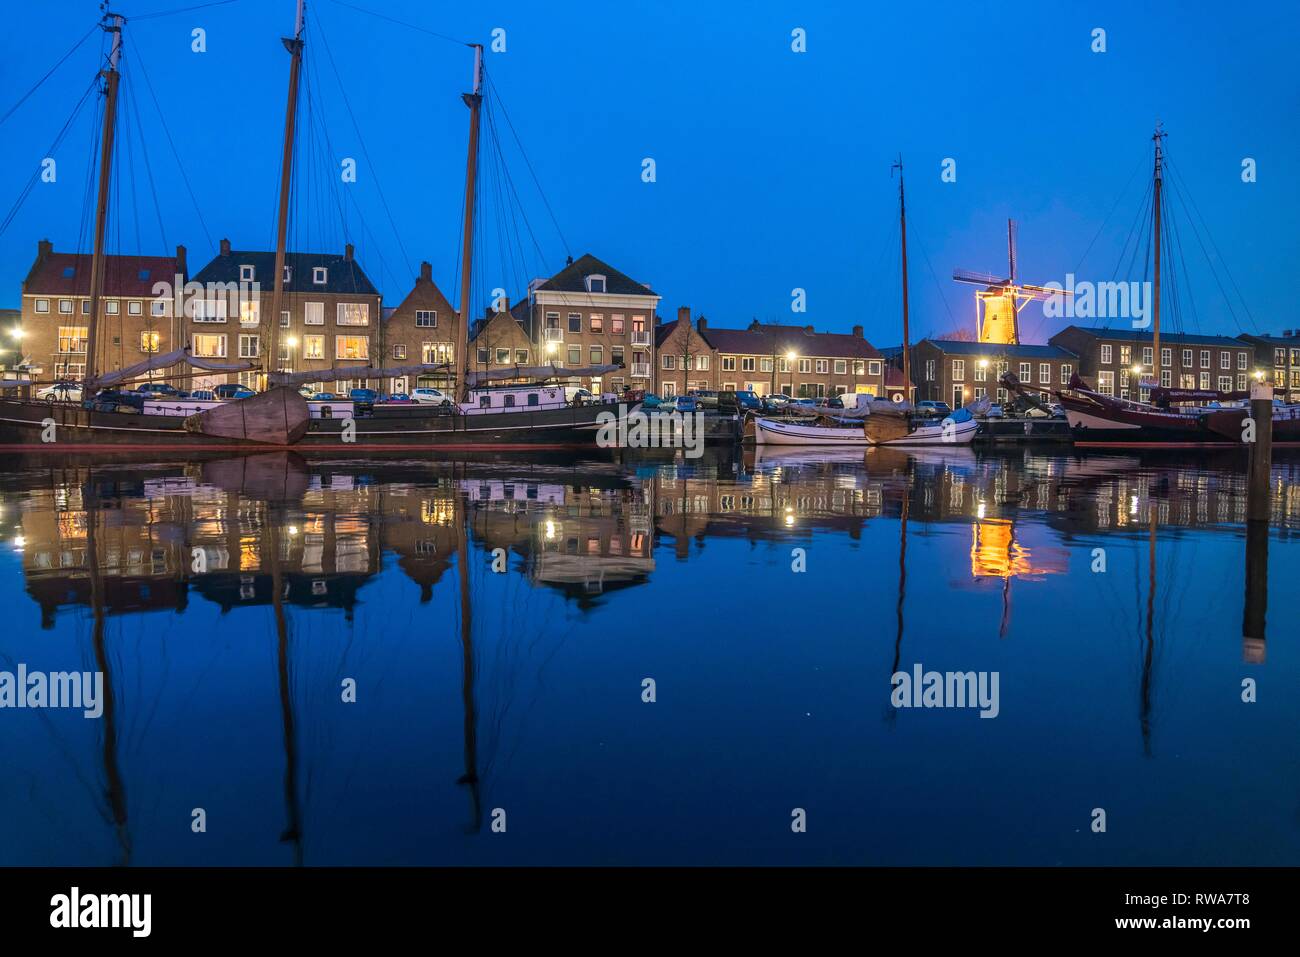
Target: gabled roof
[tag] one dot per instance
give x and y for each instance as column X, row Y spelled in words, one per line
column 68, row 274
column 1144, row 335
column 772, row 339
column 666, row 329
column 342, row 275
column 962, row 347
column 572, row 278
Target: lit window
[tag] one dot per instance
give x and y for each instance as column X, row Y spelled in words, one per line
column 353, row 314
column 249, row 312
column 150, row 341
column 399, row 352
column 314, row 314
column 313, row 347
column 72, row 338
column 209, row 345
column 352, row 347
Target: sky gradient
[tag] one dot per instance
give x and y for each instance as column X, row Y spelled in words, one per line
column 773, row 167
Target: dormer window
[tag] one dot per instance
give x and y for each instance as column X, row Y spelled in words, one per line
column 288, row 274
column 144, row 275
column 595, row 284
column 246, row 273
column 69, row 272
column 319, row 275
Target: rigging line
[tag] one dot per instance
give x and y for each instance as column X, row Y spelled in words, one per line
column 401, row 23
column 496, row 142
column 128, row 144
column 492, row 89
column 933, row 275
column 499, row 180
column 171, row 13
column 1185, row 197
column 144, row 72
column 365, row 150
column 144, row 151
column 36, row 174
column 1118, row 199
column 23, row 99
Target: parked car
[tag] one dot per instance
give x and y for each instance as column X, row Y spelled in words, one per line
column 685, row 403
column 776, row 401
column 829, row 402
column 431, row 396
column 203, row 394
column 748, row 401
column 61, row 392
column 233, row 390
column 160, row 390
column 704, row 398
column 397, row 398
column 1058, row 411
column 995, row 412
column 364, row 397
column 578, row 396
column 933, row 408
column 652, row 401
column 118, row 400
column 804, row 403
column 323, row 397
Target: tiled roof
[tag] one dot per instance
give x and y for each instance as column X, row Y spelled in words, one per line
column 666, row 329
column 771, row 339
column 342, row 275
column 1144, row 335
column 1291, row 341
column 68, row 274
column 572, row 278
column 961, row 347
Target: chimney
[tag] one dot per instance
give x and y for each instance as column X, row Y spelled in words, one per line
column 347, row 252
column 808, row 329
column 181, row 266
column 43, row 249
column 701, row 323
column 426, row 272
column 857, row 332
column 684, row 314
column 225, row 247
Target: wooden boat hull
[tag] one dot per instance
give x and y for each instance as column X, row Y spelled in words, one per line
column 1098, row 423
column 278, row 416
column 769, row 432
column 29, row 425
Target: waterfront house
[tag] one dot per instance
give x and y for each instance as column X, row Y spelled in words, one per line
column 329, row 318
column 687, row 359
column 1277, row 357
column 958, row 371
column 500, row 340
column 423, row 328
column 135, row 320
column 1113, row 360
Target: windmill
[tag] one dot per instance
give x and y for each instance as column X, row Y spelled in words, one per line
column 998, row 304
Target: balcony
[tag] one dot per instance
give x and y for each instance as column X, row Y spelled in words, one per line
column 640, row 370
column 640, row 339
column 552, row 334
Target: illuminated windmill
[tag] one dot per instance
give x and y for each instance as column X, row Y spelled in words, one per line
column 998, row 304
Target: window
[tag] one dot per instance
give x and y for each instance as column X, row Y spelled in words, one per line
column 823, row 366
column 1225, row 383
column 929, row 370
column 1066, row 371
column 1106, row 382
column 1106, row 354
column 702, row 363
column 1166, row 357
column 1125, row 355
column 249, row 312
column 426, row 318
column 841, row 367
column 521, row 357
column 616, row 325
column 597, row 355
column 134, row 308
column 503, row 357
column 616, row 355
column 958, row 370
column 1205, row 380
column 288, row 275
column 319, row 275
column 1123, row 380
column 747, row 364
column 150, row 341
column 484, row 355
column 314, row 314
column 69, row 370
column 509, row 400
column 437, row 353
column 210, row 310
column 766, row 365
column 207, row 345
column 399, row 352
column 575, row 355
column 595, row 284
column 65, row 307
column 575, row 322
column 1241, row 382
column 72, row 338
column 873, row 367
column 353, row 314
column 1205, row 364
column 1026, row 372
column 43, row 305
column 352, row 347
column 85, row 307
column 1044, row 373
column 250, row 347
column 284, row 318
column 1166, row 377
column 1225, row 359
column 246, row 273
column 313, row 347
column 1148, row 355
column 597, row 322
column 805, row 365
column 728, row 363
column 1187, row 380
column 1241, row 360
column 1187, row 358
column 534, row 399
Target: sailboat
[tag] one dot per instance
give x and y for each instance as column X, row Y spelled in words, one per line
column 533, row 416
column 879, row 422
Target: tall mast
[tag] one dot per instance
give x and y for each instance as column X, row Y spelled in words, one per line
column 1155, row 347
column 113, row 25
column 1011, row 282
column 474, row 101
column 294, row 45
column 902, row 225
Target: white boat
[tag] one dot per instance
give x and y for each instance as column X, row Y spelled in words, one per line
column 958, row 429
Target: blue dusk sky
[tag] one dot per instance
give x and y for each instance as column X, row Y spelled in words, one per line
column 772, row 167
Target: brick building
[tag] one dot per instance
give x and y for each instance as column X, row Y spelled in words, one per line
column 136, row 311
column 1278, row 358
column 796, row 360
column 957, row 371
column 423, row 328
column 687, row 357
column 330, row 316
column 1115, row 359
column 500, row 340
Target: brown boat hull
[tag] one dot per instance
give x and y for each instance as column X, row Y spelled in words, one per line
column 279, row 416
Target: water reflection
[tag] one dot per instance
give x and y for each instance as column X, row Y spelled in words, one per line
column 560, row 584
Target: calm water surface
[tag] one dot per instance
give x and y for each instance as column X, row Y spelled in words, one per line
column 1119, row 599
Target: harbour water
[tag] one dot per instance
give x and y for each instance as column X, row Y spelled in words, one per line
column 1144, row 644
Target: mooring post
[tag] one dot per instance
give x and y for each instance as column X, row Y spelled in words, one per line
column 1261, row 453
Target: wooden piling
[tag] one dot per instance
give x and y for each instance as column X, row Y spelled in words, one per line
column 1260, row 466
